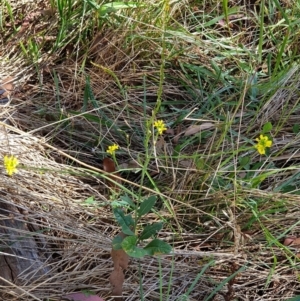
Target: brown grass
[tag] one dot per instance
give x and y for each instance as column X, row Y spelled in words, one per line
column 61, row 146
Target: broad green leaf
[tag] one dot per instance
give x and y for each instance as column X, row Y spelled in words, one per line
column 137, row 252
column 117, row 242
column 267, row 127
column 244, row 161
column 129, row 225
column 120, row 204
column 146, row 205
column 157, row 246
column 129, row 246
column 129, row 242
column 125, row 198
column 125, row 221
column 150, row 230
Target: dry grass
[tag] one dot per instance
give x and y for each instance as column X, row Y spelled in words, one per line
column 69, row 105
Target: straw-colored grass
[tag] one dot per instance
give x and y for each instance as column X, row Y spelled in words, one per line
column 84, row 81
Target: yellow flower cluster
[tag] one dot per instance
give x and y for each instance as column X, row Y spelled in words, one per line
column 160, row 126
column 112, row 149
column 262, row 143
column 10, row 164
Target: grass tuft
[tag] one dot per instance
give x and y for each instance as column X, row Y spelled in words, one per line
column 92, row 74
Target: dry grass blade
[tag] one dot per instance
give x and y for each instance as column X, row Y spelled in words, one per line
column 90, row 74
column 194, row 129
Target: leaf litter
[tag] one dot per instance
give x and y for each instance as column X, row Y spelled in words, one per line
column 117, row 277
column 37, row 192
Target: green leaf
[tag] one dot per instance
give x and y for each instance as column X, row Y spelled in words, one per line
column 267, row 127
column 296, row 128
column 87, row 292
column 296, row 298
column 89, row 117
column 290, row 189
column 117, row 242
column 125, row 198
column 129, row 246
column 129, row 242
column 200, row 163
column 150, row 230
column 157, row 246
column 120, row 204
column 129, row 225
column 146, row 205
column 244, row 161
column 90, row 201
column 125, row 221
column 256, row 181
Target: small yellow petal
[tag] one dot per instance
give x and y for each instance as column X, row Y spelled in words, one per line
column 112, row 149
column 10, row 164
column 269, row 143
column 262, row 143
column 160, row 126
column 261, row 150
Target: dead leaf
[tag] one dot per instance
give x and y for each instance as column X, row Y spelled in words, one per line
column 170, row 132
column 237, row 16
column 178, row 132
column 296, row 242
column 120, row 258
column 124, row 165
column 222, row 22
column 187, row 163
column 292, row 241
column 82, row 297
column 288, row 241
column 110, row 167
column 6, row 87
column 117, row 277
column 7, row 84
column 194, row 129
column 159, row 145
column 132, row 164
column 231, row 18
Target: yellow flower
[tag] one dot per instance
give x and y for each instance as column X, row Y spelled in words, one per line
column 262, row 143
column 112, row 149
column 10, row 164
column 160, row 125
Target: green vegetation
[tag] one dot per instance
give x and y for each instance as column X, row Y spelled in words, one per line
column 198, row 103
column 129, row 226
